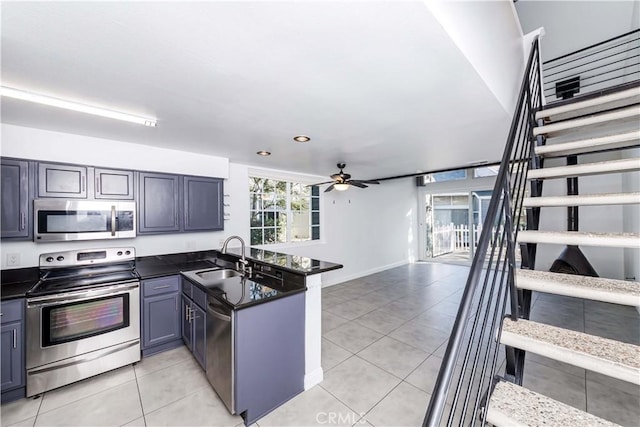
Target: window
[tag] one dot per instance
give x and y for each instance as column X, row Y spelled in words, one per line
column 283, row 211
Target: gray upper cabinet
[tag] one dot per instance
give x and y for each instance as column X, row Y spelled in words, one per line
column 203, row 203
column 158, row 203
column 113, row 184
column 58, row 180
column 15, row 199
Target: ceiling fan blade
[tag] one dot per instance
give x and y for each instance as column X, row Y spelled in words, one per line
column 329, row 188
column 320, row 183
column 368, row 181
column 357, row 184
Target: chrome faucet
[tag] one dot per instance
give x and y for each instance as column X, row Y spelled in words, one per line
column 243, row 265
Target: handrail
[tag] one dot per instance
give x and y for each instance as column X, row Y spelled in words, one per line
column 592, row 46
column 490, row 284
column 612, row 62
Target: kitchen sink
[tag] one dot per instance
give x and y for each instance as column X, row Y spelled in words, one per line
column 208, row 276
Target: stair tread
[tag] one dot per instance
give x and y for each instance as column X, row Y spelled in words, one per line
column 512, row 405
column 609, row 357
column 583, row 200
column 596, row 288
column 610, row 166
column 589, row 103
column 628, row 240
column 594, row 119
column 618, row 140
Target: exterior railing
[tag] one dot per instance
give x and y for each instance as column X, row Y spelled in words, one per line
column 594, row 68
column 472, row 357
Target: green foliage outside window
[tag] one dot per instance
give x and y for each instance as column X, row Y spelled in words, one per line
column 282, row 211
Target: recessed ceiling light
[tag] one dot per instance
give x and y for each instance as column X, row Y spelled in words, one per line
column 301, row 138
column 263, row 153
column 75, row 106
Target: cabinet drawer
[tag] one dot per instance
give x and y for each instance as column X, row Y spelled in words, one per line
column 161, row 285
column 12, row 310
column 199, row 297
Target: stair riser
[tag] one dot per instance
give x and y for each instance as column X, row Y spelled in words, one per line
column 625, row 97
column 609, row 142
column 579, row 240
column 616, row 166
column 613, row 199
column 611, row 118
column 577, row 292
column 580, row 360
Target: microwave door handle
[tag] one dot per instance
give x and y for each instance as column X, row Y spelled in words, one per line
column 113, row 220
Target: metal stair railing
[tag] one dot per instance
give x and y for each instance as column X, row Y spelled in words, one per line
column 594, row 68
column 471, row 360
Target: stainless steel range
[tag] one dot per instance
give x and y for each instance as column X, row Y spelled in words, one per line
column 83, row 316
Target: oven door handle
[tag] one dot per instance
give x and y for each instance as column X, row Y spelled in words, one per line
column 113, row 220
column 80, row 295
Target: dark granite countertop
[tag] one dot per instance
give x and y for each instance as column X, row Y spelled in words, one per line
column 240, row 292
column 16, row 282
column 294, row 263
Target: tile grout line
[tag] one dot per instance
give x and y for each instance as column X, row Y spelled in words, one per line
column 144, row 419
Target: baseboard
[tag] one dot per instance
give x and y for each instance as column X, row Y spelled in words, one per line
column 327, row 283
column 313, row 378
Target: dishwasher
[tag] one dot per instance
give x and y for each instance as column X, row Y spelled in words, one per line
column 220, row 349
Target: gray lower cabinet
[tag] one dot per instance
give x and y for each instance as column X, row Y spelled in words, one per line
column 113, row 184
column 60, row 180
column 194, row 321
column 203, row 203
column 160, row 314
column 12, row 350
column 158, row 203
column 15, row 221
column 269, row 355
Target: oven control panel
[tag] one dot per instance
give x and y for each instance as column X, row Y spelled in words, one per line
column 87, row 257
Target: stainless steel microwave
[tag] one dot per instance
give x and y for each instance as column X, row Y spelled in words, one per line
column 58, row 220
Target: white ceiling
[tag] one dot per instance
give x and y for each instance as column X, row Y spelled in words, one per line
column 379, row 85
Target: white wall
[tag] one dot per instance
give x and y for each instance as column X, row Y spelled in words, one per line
column 489, row 34
column 366, row 230
column 572, row 25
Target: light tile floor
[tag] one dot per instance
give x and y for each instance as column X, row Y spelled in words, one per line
column 384, row 336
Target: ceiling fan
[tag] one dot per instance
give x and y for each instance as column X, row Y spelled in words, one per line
column 342, row 181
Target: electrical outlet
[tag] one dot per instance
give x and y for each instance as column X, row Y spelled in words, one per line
column 221, row 242
column 13, row 260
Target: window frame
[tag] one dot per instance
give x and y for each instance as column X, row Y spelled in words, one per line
column 290, row 181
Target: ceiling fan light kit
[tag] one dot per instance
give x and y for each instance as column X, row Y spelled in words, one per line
column 342, row 181
column 75, row 106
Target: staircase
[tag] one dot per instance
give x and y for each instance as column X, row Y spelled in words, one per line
column 567, row 130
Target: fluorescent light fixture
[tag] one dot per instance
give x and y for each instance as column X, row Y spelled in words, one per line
column 341, row 187
column 74, row 106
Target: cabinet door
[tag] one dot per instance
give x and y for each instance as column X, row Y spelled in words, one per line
column 203, row 203
column 11, row 348
column 62, row 181
column 187, row 328
column 158, row 203
column 199, row 335
column 15, row 198
column 161, row 319
column 113, row 184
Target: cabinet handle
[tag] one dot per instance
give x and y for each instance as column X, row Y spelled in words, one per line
column 162, row 287
column 98, row 185
column 15, row 338
column 82, row 183
column 22, row 220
